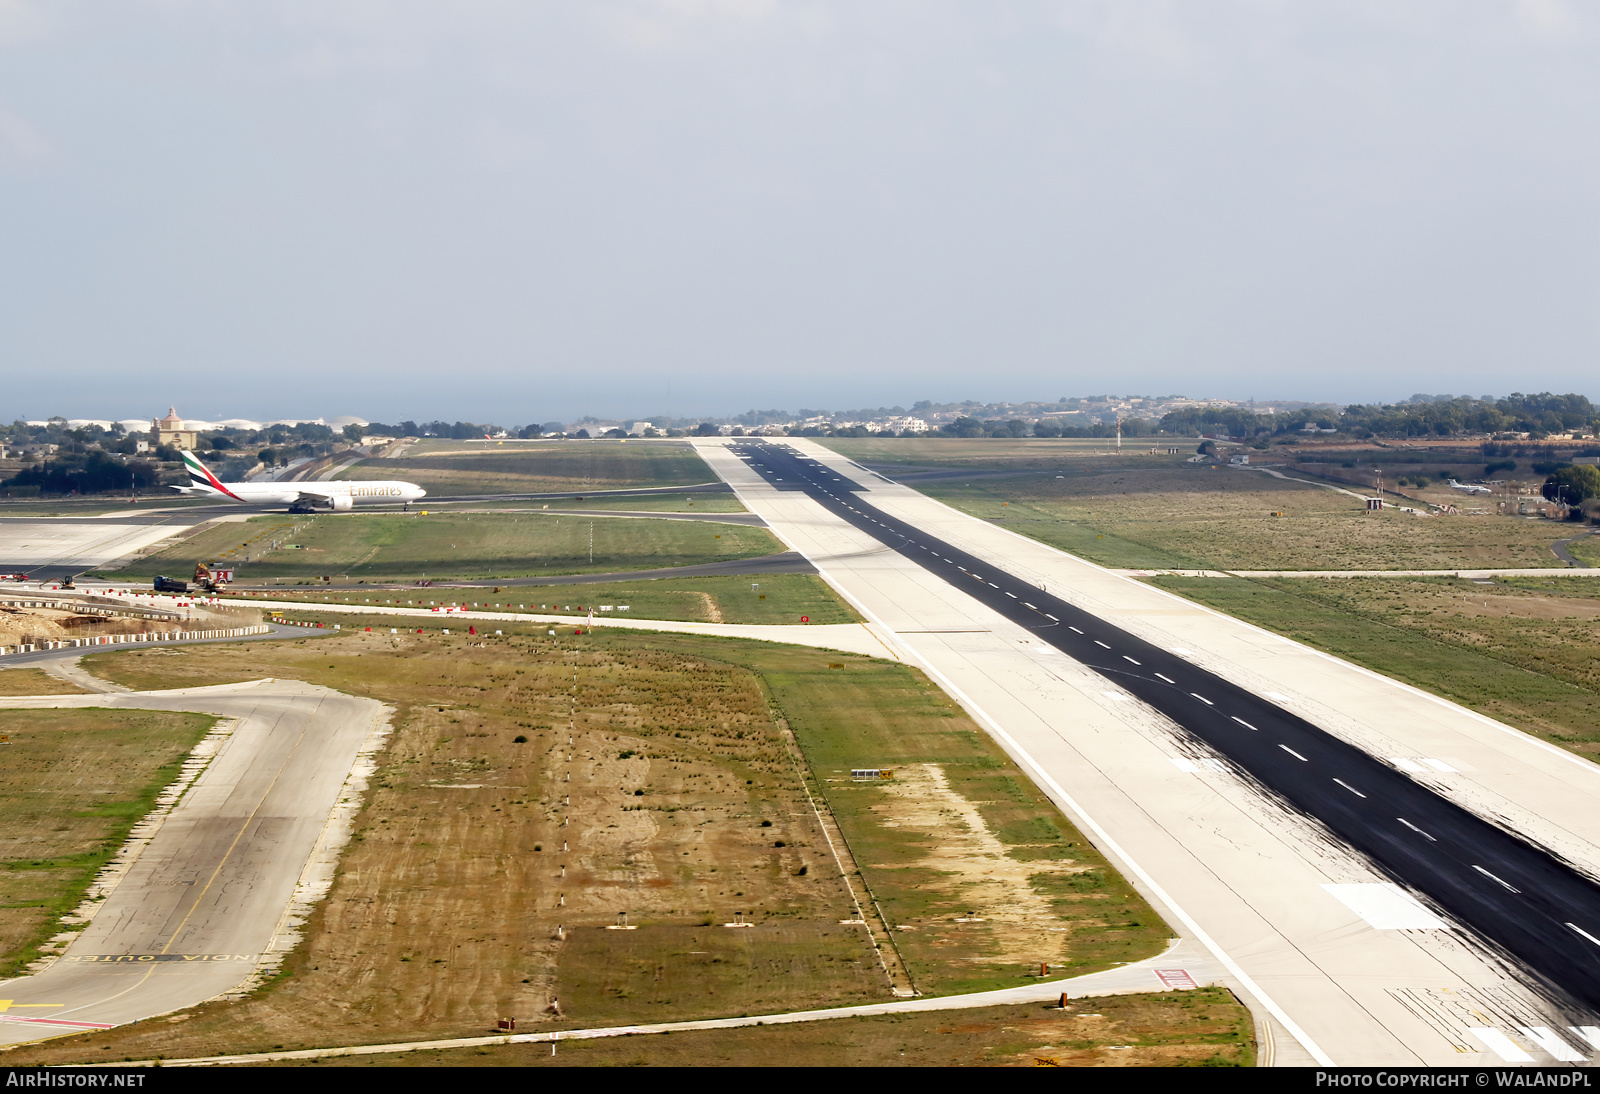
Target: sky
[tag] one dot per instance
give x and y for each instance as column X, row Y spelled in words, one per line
column 529, row 210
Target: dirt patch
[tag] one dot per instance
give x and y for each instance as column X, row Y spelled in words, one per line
column 35, row 682
column 972, row 865
column 712, row 609
column 25, row 626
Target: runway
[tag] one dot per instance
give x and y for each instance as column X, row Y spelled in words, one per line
column 202, row 905
column 1246, row 808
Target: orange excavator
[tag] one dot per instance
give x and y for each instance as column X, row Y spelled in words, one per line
column 211, row 580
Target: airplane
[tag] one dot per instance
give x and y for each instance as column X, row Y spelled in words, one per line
column 300, row 497
column 1468, row 488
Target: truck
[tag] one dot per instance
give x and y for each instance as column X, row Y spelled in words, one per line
column 170, row 585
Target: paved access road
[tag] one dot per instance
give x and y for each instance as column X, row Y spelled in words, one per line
column 1506, row 889
column 203, row 902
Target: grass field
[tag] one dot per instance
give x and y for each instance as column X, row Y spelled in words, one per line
column 73, row 782
column 1586, row 549
column 1521, row 650
column 972, row 865
column 780, row 598
column 644, row 503
column 452, row 468
column 1204, row 1028
column 34, row 682
column 658, row 778
column 991, row 454
column 443, row 546
column 1157, row 512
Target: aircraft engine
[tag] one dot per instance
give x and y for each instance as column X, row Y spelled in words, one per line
column 341, row 503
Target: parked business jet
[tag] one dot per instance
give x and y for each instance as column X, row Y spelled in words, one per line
column 300, row 497
column 1468, row 488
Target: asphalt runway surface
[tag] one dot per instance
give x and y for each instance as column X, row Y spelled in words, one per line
column 1519, row 898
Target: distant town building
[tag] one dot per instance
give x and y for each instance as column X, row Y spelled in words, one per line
column 636, row 429
column 170, row 430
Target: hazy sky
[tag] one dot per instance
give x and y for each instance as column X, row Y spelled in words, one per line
column 518, row 211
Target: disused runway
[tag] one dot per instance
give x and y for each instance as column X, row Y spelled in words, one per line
column 202, row 905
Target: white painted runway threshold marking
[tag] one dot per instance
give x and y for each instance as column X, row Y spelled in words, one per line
column 1386, row 907
column 1546, row 1039
column 1407, row 766
column 1499, row 1044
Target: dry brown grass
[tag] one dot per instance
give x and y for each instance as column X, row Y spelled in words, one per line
column 451, row 910
column 1156, row 511
column 687, row 808
column 1199, row 518
column 1207, row 1028
column 35, row 682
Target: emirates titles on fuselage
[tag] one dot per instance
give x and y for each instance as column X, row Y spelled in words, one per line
column 300, row 497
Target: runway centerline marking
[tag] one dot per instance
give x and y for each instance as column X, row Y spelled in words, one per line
column 1417, row 830
column 1500, row 881
column 1585, row 933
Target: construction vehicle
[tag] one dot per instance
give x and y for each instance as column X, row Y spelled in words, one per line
column 211, row 580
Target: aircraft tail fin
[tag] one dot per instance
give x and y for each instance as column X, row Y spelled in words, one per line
column 201, row 478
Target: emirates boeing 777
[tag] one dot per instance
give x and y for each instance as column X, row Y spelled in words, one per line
column 300, row 497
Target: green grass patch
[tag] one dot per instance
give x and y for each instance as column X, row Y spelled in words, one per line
column 453, row 468
column 72, row 784
column 776, row 599
column 445, row 546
